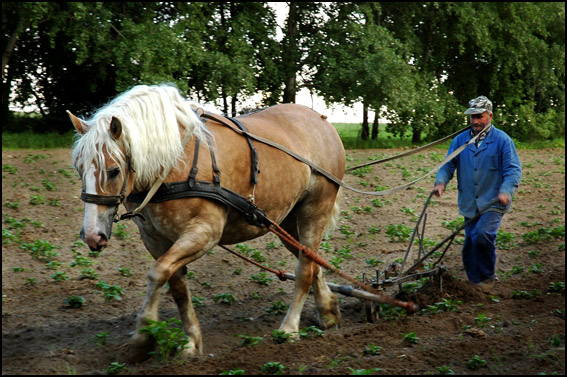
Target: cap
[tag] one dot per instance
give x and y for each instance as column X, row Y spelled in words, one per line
column 479, row 105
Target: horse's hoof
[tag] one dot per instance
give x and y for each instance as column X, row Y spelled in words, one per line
column 133, row 353
column 329, row 321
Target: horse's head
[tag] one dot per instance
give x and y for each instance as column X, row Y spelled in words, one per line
column 105, row 173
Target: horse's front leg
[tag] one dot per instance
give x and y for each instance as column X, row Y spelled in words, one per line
column 195, row 241
column 182, row 296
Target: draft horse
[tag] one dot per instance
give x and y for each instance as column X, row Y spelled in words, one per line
column 136, row 139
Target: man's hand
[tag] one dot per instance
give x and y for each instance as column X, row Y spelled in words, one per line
column 439, row 189
column 504, row 199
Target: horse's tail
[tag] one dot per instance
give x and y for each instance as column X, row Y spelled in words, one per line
column 334, row 218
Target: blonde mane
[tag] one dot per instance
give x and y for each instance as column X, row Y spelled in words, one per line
column 151, row 137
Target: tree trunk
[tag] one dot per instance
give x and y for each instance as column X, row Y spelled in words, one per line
column 11, row 45
column 290, row 51
column 375, row 126
column 416, row 137
column 233, row 106
column 365, row 130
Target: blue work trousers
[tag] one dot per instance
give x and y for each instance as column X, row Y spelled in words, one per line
column 479, row 249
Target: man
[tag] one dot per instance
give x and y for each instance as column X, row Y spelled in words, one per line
column 488, row 173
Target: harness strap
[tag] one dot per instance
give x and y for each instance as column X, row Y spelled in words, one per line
column 253, row 152
column 200, row 189
column 216, row 171
column 103, row 200
column 194, row 169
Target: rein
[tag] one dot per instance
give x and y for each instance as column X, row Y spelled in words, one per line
column 338, row 181
column 410, row 152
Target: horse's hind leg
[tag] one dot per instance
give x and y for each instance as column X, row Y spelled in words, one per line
column 307, row 224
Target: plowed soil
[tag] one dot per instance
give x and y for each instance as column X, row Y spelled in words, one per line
column 519, row 328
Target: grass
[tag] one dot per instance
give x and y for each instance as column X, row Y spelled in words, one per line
column 349, row 133
column 30, row 140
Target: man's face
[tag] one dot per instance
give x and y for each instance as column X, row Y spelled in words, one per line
column 479, row 121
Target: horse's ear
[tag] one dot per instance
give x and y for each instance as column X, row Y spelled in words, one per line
column 80, row 126
column 115, row 128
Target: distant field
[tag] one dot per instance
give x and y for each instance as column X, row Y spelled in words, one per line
column 349, row 133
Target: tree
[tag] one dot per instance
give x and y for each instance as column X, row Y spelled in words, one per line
column 514, row 53
column 301, row 35
column 237, row 44
column 360, row 60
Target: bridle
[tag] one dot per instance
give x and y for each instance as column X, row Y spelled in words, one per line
column 113, row 200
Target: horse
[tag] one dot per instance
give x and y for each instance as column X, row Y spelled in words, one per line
column 137, row 139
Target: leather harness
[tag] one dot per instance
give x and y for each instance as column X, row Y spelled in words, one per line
column 214, row 191
column 193, row 188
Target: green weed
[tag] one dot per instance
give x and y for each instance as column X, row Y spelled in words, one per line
column 372, row 349
column 74, row 301
column 279, row 336
column 261, row 278
column 115, row 368
column 481, row 320
column 277, row 308
column 310, row 331
column 558, row 286
column 111, row 292
column 399, row 232
column 224, row 298
column 363, row 372
column 248, row 341
column 101, row 338
column 233, row 372
column 60, row 276
column 169, row 338
column 273, row 367
column 410, row 337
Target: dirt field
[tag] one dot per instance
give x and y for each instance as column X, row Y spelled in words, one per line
column 517, row 329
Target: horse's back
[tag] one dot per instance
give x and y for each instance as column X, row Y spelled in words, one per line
column 302, row 130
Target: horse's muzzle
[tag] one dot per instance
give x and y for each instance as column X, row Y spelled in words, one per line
column 95, row 242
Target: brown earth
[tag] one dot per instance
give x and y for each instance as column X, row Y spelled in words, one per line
column 42, row 335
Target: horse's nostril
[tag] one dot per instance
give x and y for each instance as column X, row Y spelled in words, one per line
column 103, row 237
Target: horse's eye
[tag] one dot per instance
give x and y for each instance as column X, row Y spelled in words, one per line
column 113, row 173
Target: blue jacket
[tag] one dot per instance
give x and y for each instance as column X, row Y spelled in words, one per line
column 483, row 172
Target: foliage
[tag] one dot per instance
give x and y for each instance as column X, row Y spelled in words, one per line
column 115, row 368
column 170, row 339
column 310, row 331
column 249, row 340
column 224, row 298
column 74, row 301
column 416, row 64
column 273, row 367
column 41, row 250
column 101, row 338
column 476, row 362
column 111, row 291
column 280, row 336
column 372, row 349
column 410, row 337
column 233, row 372
column 399, row 232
